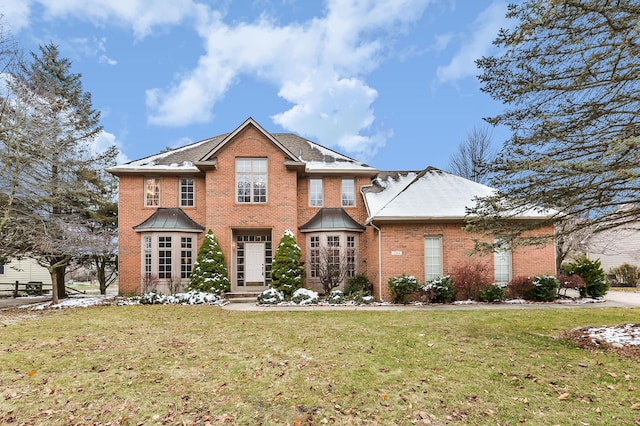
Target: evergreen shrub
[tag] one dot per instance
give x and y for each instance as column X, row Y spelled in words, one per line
column 210, row 273
column 545, row 288
column 401, row 287
column 287, row 271
column 439, row 290
column 592, row 273
column 492, row 293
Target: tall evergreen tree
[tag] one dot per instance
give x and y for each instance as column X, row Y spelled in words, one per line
column 569, row 76
column 210, row 272
column 55, row 193
column 286, row 270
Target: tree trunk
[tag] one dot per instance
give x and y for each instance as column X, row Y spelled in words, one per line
column 62, row 291
column 101, row 275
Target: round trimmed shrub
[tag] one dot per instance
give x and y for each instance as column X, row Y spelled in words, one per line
column 270, row 296
column 493, row 293
column 439, row 290
column 545, row 288
column 401, row 287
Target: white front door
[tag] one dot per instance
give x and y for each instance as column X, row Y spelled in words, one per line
column 254, row 266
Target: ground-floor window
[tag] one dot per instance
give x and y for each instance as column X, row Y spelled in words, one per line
column 167, row 259
column 332, row 256
column 502, row 264
column 432, row 257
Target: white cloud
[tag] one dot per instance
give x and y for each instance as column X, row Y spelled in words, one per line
column 479, row 43
column 106, row 140
column 140, row 15
column 318, row 66
column 15, row 14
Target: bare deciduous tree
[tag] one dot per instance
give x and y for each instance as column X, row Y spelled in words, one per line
column 473, row 158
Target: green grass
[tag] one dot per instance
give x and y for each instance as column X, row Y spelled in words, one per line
column 176, row 364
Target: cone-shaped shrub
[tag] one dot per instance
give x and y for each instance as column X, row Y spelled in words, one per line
column 286, row 270
column 210, row 270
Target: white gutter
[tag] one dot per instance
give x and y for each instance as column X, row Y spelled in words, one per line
column 379, row 259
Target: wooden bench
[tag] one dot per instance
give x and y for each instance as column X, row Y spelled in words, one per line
column 31, row 288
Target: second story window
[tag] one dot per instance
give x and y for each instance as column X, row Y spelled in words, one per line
column 251, row 180
column 187, row 187
column 316, row 196
column 152, row 192
column 348, row 192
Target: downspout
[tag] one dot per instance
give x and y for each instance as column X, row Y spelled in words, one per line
column 379, row 259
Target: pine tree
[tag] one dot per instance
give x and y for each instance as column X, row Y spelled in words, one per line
column 55, row 194
column 210, row 272
column 567, row 74
column 286, row 270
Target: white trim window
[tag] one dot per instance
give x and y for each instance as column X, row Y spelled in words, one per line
column 316, row 193
column 432, row 258
column 187, row 192
column 332, row 251
column 168, row 256
column 152, row 192
column 502, row 262
column 348, row 192
column 251, row 180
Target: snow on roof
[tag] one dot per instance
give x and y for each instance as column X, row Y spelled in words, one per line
column 317, row 166
column 430, row 194
column 152, row 162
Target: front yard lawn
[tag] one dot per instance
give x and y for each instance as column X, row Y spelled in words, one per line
column 200, row 364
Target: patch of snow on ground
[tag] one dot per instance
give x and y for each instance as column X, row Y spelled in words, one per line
column 74, row 302
column 624, row 335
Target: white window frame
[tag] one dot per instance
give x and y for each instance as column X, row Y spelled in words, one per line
column 151, row 248
column 433, row 257
column 187, row 192
column 316, row 192
column 348, row 192
column 343, row 246
column 256, row 173
column 152, row 192
column 502, row 263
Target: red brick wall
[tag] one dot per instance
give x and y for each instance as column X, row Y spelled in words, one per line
column 407, row 241
column 132, row 212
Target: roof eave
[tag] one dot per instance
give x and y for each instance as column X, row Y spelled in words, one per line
column 156, row 170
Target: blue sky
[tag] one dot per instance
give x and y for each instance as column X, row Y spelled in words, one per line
column 389, row 83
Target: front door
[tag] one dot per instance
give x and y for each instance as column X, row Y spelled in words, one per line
column 254, row 267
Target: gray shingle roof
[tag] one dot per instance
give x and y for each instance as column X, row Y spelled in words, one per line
column 169, row 219
column 332, row 219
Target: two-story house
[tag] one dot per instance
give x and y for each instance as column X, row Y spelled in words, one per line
column 249, row 186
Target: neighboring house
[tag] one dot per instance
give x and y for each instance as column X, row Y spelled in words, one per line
column 23, row 270
column 249, row 186
column 614, row 247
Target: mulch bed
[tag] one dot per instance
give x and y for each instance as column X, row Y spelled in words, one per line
column 583, row 337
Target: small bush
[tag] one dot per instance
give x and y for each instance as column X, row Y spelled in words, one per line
column 592, row 273
column 210, row 274
column 520, row 287
column 401, row 287
column 270, row 296
column 439, row 290
column 469, row 278
column 303, row 296
column 493, row 293
column 336, row 297
column 570, row 282
column 286, row 270
column 359, row 283
column 545, row 288
column 360, row 298
column 626, row 275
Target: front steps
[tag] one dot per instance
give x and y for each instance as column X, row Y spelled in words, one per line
column 241, row 297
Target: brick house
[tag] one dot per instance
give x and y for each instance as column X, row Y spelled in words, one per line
column 249, row 186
